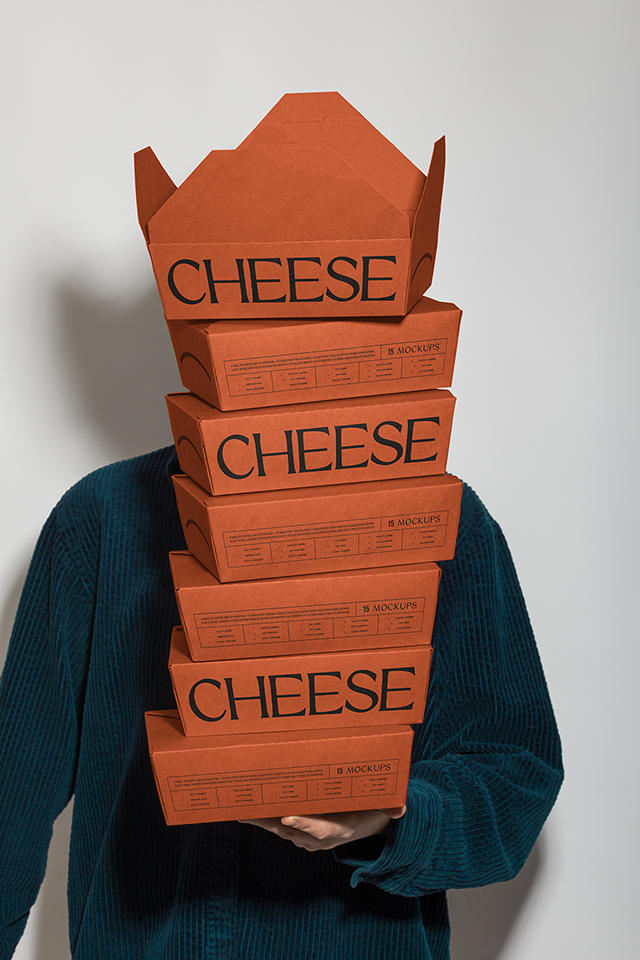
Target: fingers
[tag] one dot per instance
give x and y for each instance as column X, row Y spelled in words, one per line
column 340, row 827
column 272, row 824
column 287, row 831
column 343, row 825
column 326, row 832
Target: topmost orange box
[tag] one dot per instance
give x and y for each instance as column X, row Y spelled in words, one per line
column 314, row 215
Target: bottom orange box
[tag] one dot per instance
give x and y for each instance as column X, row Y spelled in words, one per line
column 206, row 779
column 351, row 526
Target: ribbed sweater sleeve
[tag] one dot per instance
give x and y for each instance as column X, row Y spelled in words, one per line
column 486, row 761
column 41, row 698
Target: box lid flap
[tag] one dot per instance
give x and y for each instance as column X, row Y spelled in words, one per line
column 327, row 119
column 276, row 191
column 154, row 186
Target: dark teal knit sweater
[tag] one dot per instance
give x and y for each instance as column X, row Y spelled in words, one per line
column 89, row 656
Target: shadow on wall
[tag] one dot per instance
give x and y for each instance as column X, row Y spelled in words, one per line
column 9, row 607
column 118, row 364
column 51, row 940
column 48, row 938
column 116, row 358
column 483, row 919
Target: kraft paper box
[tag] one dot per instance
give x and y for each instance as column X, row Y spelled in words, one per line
column 239, row 364
column 309, row 691
column 312, row 444
column 350, row 610
column 287, row 533
column 204, row 779
column 315, row 214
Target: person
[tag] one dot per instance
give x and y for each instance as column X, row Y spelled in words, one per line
column 89, row 655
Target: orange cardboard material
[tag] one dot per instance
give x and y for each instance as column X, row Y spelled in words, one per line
column 350, row 610
column 239, row 364
column 311, row 444
column 315, row 214
column 205, row 779
column 310, row 691
column 287, row 533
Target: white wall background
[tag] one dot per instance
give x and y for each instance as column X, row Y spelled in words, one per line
column 538, row 245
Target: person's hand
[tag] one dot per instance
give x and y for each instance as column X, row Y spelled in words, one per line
column 330, row 830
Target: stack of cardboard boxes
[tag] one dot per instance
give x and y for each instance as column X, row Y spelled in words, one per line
column 314, row 498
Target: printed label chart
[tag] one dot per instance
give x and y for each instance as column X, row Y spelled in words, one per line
column 370, row 618
column 350, row 537
column 253, row 787
column 304, row 371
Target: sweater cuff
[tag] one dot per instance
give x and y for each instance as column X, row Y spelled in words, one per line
column 408, row 848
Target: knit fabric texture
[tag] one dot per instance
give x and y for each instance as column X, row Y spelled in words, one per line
column 89, row 655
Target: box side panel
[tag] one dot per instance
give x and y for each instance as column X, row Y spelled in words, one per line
column 306, row 692
column 187, row 436
column 280, row 280
column 196, row 526
column 310, row 445
column 309, row 614
column 193, row 356
column 347, row 532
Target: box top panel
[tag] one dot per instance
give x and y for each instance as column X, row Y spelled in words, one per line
column 202, row 411
column 179, row 654
column 166, row 730
column 385, row 487
column 362, row 328
column 187, row 570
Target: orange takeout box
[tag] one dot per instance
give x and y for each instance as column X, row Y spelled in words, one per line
column 315, row 214
column 286, row 533
column 312, row 444
column 205, row 779
column 307, row 691
column 238, row 364
column 349, row 610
